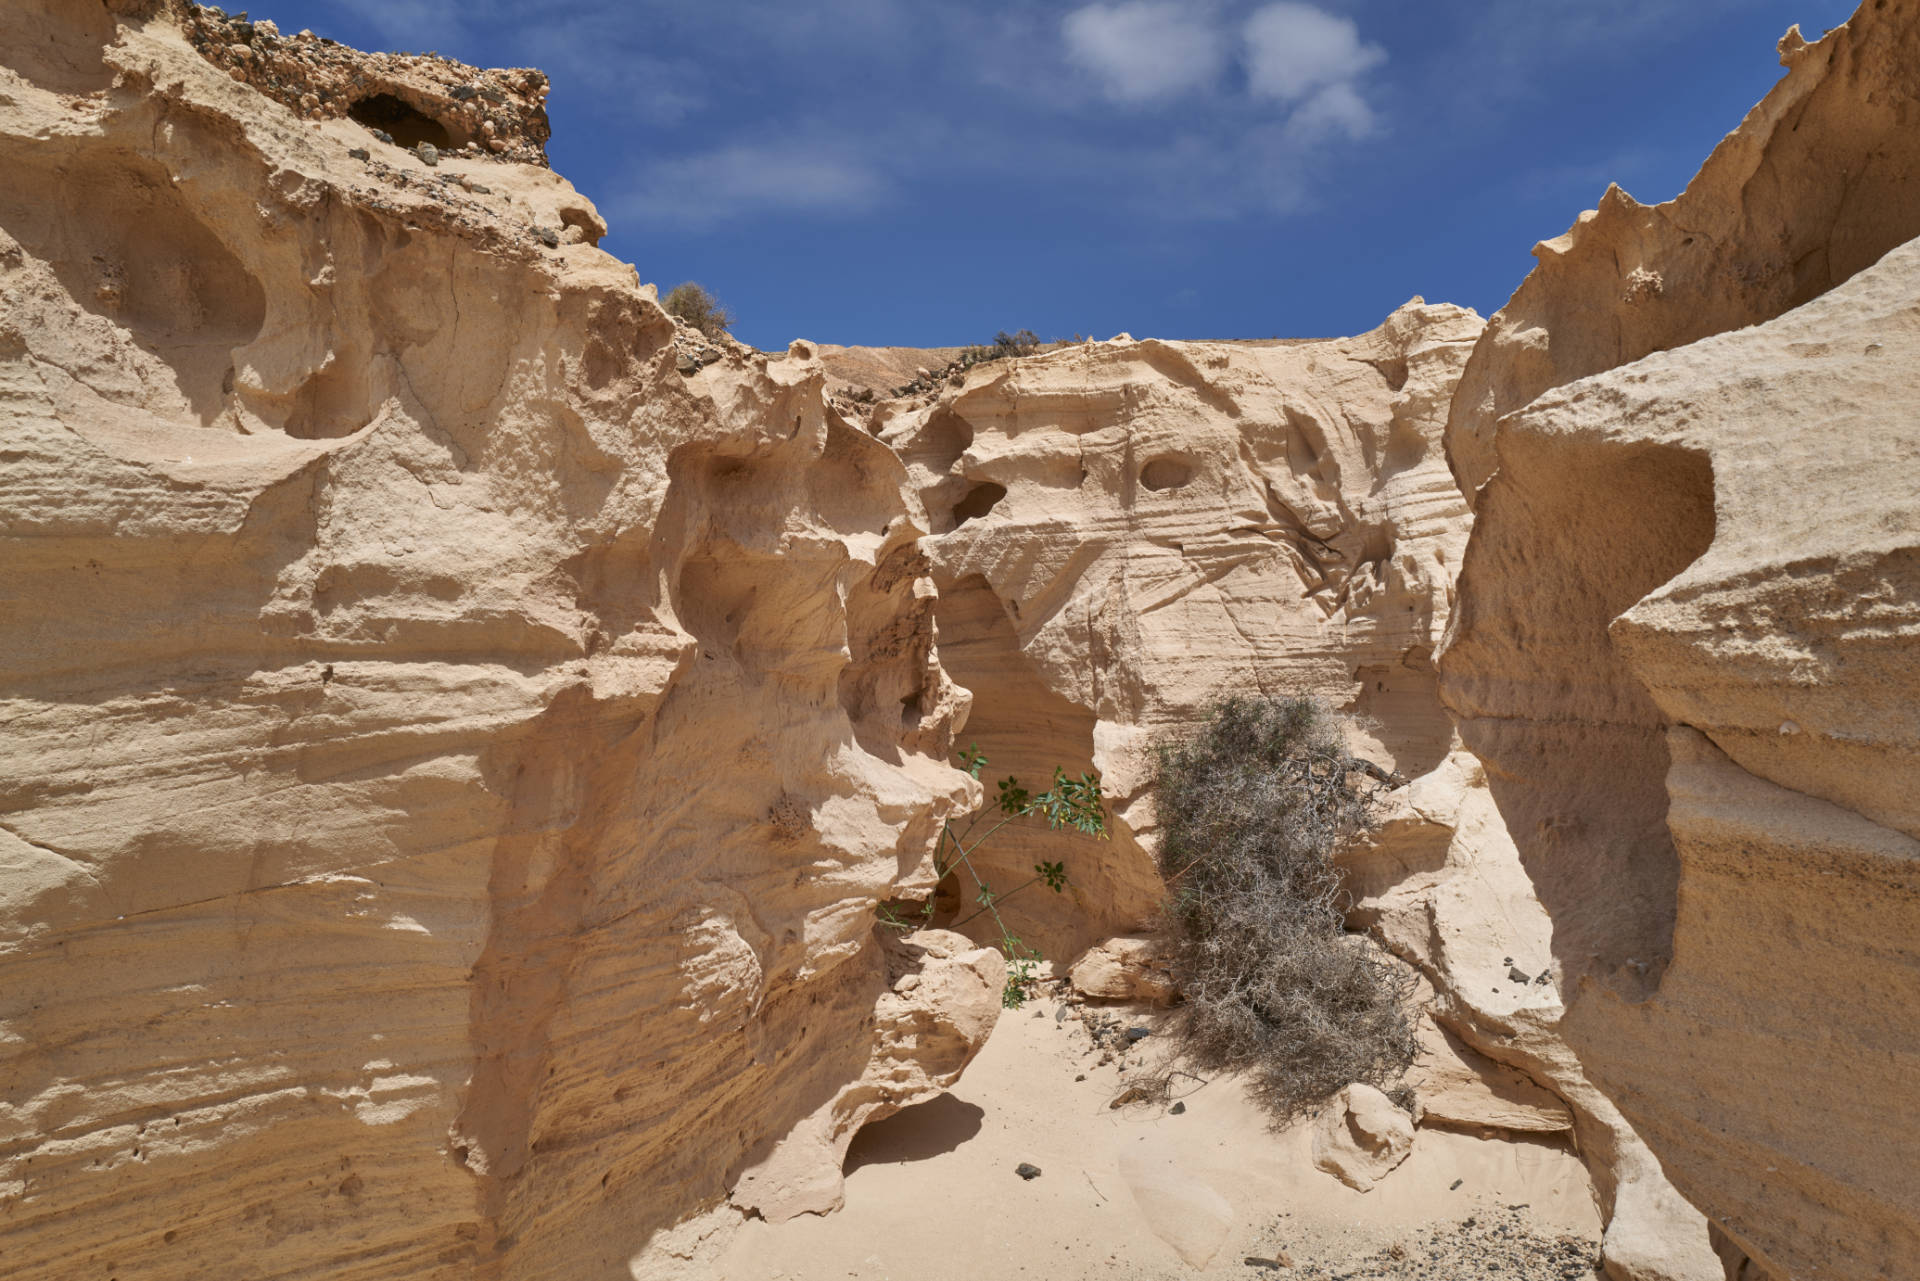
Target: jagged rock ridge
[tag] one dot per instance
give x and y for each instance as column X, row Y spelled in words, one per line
column 1684, row 650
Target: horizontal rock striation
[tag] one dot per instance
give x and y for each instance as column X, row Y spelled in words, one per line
column 1812, row 187
column 1127, row 531
column 452, row 755
column 1684, row 651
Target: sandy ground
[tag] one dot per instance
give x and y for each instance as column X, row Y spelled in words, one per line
column 1143, row 1191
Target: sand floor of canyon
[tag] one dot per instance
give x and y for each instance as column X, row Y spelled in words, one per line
column 1142, row 1191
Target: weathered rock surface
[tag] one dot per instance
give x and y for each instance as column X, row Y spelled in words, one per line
column 1684, row 649
column 943, row 999
column 1814, row 185
column 1468, row 918
column 1455, row 1085
column 1125, row 968
column 1723, row 538
column 452, row 757
column 1361, row 1137
column 1129, row 528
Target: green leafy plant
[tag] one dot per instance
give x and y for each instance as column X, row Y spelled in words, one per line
column 690, row 301
column 1253, row 809
column 1069, row 803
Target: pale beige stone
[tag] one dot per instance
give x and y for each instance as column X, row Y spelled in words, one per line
column 1684, row 648
column 1361, row 1137
column 1124, row 968
column 451, row 758
column 944, row 999
column 1459, row 1087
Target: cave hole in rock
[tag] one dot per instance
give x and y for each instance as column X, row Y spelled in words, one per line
column 918, row 1133
column 590, row 227
column 408, row 125
column 1166, row 473
column 1393, row 369
column 977, row 501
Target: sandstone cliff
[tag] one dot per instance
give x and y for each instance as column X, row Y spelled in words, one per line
column 452, row 754
column 1124, row 532
column 1684, row 650
column 1126, row 529
column 459, row 726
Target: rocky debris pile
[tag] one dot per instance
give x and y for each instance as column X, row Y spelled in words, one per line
column 927, row 381
column 694, row 351
column 409, row 99
column 1493, row 1245
column 473, row 207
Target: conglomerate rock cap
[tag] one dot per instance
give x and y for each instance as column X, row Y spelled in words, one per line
column 413, row 98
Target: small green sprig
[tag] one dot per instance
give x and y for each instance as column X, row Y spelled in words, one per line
column 1069, row 802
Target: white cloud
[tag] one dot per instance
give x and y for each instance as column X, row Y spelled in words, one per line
column 1335, row 111
column 1294, row 50
column 754, row 178
column 1143, row 50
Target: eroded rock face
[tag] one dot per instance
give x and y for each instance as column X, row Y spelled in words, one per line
column 1684, row 649
column 452, row 756
column 1812, row 187
column 1746, row 634
column 413, row 99
column 1362, row 1137
column 1129, row 529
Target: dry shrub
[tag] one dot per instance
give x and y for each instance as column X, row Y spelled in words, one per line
column 689, row 301
column 1253, row 808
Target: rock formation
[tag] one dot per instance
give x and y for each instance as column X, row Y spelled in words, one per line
column 1361, row 1137
column 460, row 726
column 1684, row 650
column 1126, row 530
column 1812, row 187
column 452, row 755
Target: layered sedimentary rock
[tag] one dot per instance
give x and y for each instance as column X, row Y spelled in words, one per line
column 452, row 755
column 1815, row 184
column 1127, row 531
column 1685, row 651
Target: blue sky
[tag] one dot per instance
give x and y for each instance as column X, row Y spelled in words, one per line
column 922, row 173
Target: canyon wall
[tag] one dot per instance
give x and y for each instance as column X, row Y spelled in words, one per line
column 460, row 726
column 1123, row 533
column 1685, row 642
column 455, row 739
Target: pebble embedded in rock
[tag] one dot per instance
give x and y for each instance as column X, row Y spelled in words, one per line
column 547, row 236
column 1138, row 1034
column 359, row 153
column 1177, row 1109
column 1027, row 1171
column 1518, row 977
column 428, row 153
